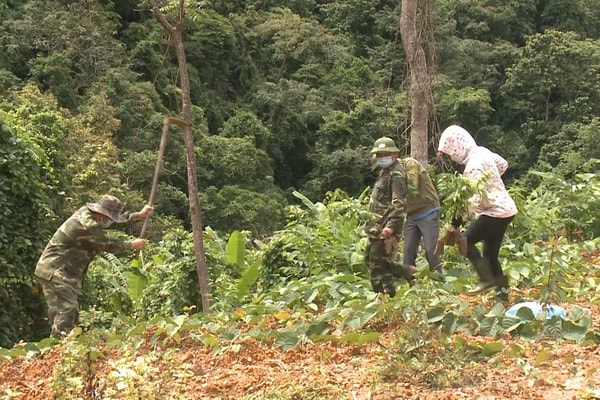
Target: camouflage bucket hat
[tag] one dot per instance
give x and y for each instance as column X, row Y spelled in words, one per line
column 109, row 206
column 384, row 145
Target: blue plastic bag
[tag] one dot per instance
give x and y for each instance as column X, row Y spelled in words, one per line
column 536, row 308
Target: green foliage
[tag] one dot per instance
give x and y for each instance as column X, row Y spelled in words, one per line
column 172, row 281
column 491, row 20
column 105, row 288
column 421, row 354
column 456, row 194
column 233, row 161
column 72, row 48
column 461, row 104
column 286, row 98
column 343, row 169
column 565, row 206
column 76, row 373
column 559, row 70
column 321, row 237
column 247, row 124
column 23, row 223
column 236, row 208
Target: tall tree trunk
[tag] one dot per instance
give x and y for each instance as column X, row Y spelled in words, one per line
column 420, row 86
column 186, row 107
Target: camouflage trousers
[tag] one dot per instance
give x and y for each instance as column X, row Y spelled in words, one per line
column 63, row 308
column 381, row 269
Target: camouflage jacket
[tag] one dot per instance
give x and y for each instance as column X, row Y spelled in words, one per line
column 388, row 201
column 73, row 246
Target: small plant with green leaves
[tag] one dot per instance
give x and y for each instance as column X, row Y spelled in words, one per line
column 141, row 376
column 421, row 354
column 74, row 376
column 456, row 194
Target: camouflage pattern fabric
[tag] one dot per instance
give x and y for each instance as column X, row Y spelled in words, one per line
column 63, row 308
column 387, row 205
column 65, row 260
column 388, row 200
column 380, row 267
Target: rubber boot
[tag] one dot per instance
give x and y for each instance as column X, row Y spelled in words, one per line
column 486, row 279
column 502, row 288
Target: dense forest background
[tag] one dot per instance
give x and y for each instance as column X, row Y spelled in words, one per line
column 287, row 96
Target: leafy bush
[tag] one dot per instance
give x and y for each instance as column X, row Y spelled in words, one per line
column 320, row 237
column 23, row 227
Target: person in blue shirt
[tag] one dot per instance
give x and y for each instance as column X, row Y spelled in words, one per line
column 422, row 216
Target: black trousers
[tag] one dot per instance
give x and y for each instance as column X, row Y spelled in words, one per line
column 490, row 231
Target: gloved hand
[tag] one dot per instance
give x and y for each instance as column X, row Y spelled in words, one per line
column 457, row 222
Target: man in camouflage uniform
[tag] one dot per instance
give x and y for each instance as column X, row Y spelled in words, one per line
column 387, row 205
column 65, row 260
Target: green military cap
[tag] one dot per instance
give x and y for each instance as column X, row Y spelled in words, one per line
column 384, row 145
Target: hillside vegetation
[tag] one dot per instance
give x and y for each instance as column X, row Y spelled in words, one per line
column 287, row 100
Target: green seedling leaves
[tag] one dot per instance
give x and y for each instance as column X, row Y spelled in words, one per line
column 492, row 348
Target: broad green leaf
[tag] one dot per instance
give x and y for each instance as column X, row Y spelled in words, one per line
column 497, row 311
column 490, row 327
column 287, row 339
column 369, row 337
column 435, row 314
column 553, row 326
column 306, row 201
column 17, row 352
column 591, row 338
column 209, row 340
column 352, row 338
column 136, row 282
column 509, row 324
column 525, row 313
column 460, row 342
column 360, row 318
column 235, row 250
column 516, row 349
column 492, row 348
column 542, row 356
column 317, row 329
column 581, row 315
column 529, row 329
column 572, row 331
column 248, row 278
column 310, row 296
column 358, row 338
column 449, row 323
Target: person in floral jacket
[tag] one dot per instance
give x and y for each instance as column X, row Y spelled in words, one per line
column 494, row 211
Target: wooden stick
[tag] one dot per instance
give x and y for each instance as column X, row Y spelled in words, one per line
column 161, row 152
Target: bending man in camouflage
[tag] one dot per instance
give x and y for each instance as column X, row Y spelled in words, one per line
column 387, row 204
column 64, row 262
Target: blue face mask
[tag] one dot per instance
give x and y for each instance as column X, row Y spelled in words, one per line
column 385, row 162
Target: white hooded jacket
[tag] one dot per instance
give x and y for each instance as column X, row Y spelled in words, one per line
column 478, row 161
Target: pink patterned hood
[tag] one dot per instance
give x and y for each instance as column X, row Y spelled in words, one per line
column 457, row 143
